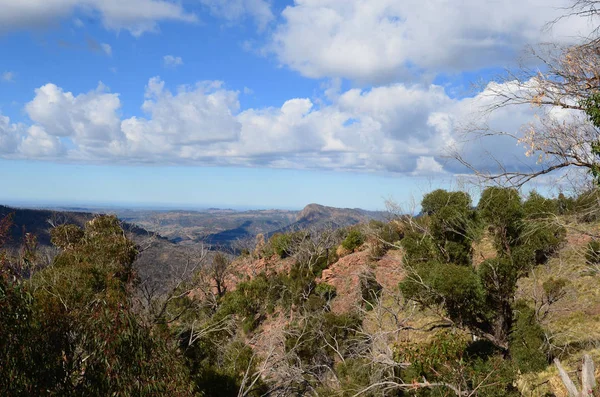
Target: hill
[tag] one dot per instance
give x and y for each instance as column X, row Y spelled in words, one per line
column 223, row 227
column 349, row 310
column 320, row 216
column 39, row 222
column 158, row 260
column 572, row 322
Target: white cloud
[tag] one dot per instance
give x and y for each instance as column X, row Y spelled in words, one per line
column 7, row 77
column 459, row 119
column 395, row 128
column 37, row 143
column 180, row 126
column 184, row 124
column 136, row 16
column 378, row 41
column 171, row 61
column 235, row 10
column 91, row 121
column 9, row 134
column 427, row 165
column 106, row 48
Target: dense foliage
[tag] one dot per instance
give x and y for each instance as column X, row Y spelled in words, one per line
column 481, row 298
column 71, row 329
column 84, row 326
column 353, row 240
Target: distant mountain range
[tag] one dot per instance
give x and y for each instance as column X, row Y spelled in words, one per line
column 218, row 227
column 171, row 238
column 40, row 221
column 315, row 215
column 224, row 227
column 157, row 262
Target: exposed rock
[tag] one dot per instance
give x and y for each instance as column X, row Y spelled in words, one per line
column 344, row 275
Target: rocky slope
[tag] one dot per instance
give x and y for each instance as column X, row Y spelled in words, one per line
column 574, row 321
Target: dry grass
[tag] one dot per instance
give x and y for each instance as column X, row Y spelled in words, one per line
column 483, row 249
column 573, row 323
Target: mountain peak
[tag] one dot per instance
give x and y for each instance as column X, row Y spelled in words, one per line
column 314, row 212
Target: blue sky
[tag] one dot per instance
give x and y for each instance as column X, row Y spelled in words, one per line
column 250, row 103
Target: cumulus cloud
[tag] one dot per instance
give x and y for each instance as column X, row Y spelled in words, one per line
column 89, row 120
column 376, row 41
column 182, row 125
column 427, row 165
column 136, row 16
column 9, row 134
column 171, row 61
column 462, row 117
column 235, row 10
column 394, row 128
column 37, row 143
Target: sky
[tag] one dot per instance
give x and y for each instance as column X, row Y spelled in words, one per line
column 255, row 103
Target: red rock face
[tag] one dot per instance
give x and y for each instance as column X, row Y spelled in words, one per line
column 247, row 268
column 344, row 275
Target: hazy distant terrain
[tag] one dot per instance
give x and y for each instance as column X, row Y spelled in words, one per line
column 223, row 227
column 169, row 238
column 216, row 227
column 157, row 261
column 39, row 222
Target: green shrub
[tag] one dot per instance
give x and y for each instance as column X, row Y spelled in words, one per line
column 353, row 374
column 439, row 199
column 586, row 206
column 540, row 235
column 370, row 289
column 250, row 302
column 312, row 341
column 448, row 354
column 383, row 235
column 418, row 248
column 429, row 359
column 457, row 287
column 450, row 222
column 353, row 240
column 527, row 340
column 592, row 252
column 280, row 244
column 564, row 204
column 538, row 207
column 543, row 238
column 502, row 210
column 66, row 236
column 218, row 366
column 554, row 289
column 326, row 291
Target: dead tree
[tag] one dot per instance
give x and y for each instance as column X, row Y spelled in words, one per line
column 154, row 299
column 561, row 137
column 588, row 380
column 309, row 246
